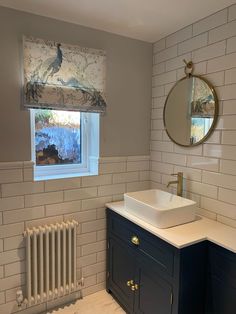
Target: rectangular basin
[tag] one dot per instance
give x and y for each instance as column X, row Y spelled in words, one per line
column 159, row 208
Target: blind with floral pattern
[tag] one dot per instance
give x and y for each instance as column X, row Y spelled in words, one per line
column 63, row 77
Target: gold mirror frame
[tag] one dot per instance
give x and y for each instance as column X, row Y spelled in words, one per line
column 216, row 112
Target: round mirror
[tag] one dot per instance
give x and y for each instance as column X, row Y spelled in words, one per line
column 190, row 111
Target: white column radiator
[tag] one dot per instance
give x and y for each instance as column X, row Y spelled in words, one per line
column 51, row 262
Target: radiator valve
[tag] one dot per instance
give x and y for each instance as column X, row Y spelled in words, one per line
column 19, row 297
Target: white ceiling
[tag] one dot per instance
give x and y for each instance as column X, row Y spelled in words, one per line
column 148, row 20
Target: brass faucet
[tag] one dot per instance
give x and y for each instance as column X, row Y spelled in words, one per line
column 179, row 182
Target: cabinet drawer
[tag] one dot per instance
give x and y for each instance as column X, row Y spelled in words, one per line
column 148, row 244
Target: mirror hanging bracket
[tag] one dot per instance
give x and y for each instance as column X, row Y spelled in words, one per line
column 188, row 69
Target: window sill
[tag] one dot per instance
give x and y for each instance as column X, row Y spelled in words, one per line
column 65, row 176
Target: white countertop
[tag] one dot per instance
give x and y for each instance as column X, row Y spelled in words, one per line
column 184, row 235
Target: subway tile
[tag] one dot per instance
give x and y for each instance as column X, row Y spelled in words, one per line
column 125, row 177
column 8, row 307
column 219, row 207
column 228, row 167
column 13, row 243
column 158, row 91
column 87, row 260
column 43, row 198
column 28, row 174
column 165, row 54
column 226, row 92
column 11, row 294
column 157, row 124
column 192, row 44
column 162, row 146
column 144, row 175
column 210, row 22
column 229, row 137
column 155, row 176
column 101, row 235
column 83, row 216
column 159, row 45
column 93, row 289
column 168, row 87
column 155, row 155
column 9, row 203
column 1, row 272
column 156, row 135
column 138, row 158
column 91, row 226
column 216, row 79
column 165, row 78
column 62, row 184
column 162, row 167
column 114, row 167
column 101, row 256
column 201, row 188
column 12, row 256
column 227, row 221
column 93, row 248
column 1, row 245
column 230, row 76
column 138, row 186
column 95, row 202
column 63, row 208
column 93, row 269
column 90, row 281
column 179, row 36
column 158, row 68
column 13, row 189
column 158, row 102
column 209, row 52
column 2, row 297
column 220, row 151
column 176, row 159
column 83, row 193
column 206, row 213
column 204, row 163
column 226, row 122
column 107, row 190
column 15, row 268
column 103, row 160
column 229, row 107
column 232, row 12
column 17, row 215
column 87, row 238
column 214, row 138
column 11, row 282
column 101, row 277
column 189, row 173
column 138, row 165
column 222, row 32
column 97, row 180
column 11, row 175
column 221, row 63
column 196, row 150
column 219, row 179
column 231, row 45
column 11, row 230
column 228, row 196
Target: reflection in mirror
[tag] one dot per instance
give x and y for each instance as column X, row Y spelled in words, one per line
column 190, row 111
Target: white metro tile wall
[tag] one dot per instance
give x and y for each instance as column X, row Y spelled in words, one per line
column 209, row 169
column 24, row 203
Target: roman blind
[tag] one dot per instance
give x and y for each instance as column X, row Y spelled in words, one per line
column 63, row 77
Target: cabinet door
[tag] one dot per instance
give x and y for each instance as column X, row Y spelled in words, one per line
column 121, row 270
column 153, row 294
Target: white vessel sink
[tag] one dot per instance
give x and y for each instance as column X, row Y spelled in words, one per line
column 159, row 208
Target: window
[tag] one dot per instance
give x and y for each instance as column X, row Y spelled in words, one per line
column 64, row 143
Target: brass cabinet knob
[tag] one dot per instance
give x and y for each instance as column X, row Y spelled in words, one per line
column 134, row 287
column 135, row 240
column 130, row 283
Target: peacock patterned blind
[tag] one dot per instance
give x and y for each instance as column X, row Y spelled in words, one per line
column 63, row 77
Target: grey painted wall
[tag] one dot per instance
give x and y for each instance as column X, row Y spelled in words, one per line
column 124, row 129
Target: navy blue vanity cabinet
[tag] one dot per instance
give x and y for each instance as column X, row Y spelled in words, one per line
column 221, row 292
column 146, row 275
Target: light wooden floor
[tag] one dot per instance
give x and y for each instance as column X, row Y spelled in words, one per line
column 97, row 303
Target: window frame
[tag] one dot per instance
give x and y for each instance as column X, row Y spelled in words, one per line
column 88, row 166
